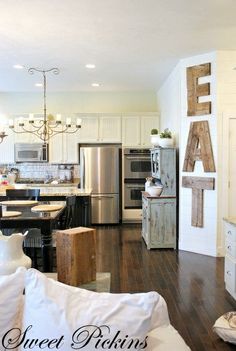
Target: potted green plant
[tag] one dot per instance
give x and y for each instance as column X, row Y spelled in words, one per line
column 154, row 137
column 166, row 138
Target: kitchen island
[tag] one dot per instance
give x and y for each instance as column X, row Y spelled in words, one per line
column 59, row 193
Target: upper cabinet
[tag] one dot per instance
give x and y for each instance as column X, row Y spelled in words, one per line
column 147, row 124
column 7, row 148
column 89, row 131
column 136, row 130
column 110, row 129
column 100, row 129
column 129, row 129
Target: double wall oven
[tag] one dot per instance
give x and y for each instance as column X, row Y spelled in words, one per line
column 137, row 166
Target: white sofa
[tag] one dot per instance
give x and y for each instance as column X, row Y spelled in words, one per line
column 52, row 315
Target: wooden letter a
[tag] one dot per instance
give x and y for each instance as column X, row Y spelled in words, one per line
column 199, row 148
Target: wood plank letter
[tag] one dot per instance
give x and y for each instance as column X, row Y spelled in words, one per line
column 194, row 90
column 198, row 185
column 199, row 147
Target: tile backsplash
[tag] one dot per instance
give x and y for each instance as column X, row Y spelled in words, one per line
column 41, row 170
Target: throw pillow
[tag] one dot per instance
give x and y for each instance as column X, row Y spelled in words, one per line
column 11, row 296
column 225, row 327
column 68, row 318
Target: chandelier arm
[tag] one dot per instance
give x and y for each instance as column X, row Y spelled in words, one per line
column 35, row 125
column 70, row 131
column 37, row 129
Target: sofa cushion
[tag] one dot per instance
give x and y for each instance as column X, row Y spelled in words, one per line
column 166, row 338
column 76, row 318
column 225, row 327
column 11, row 295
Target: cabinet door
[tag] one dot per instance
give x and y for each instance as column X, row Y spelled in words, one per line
column 56, row 148
column 7, row 148
column 70, row 144
column 147, row 124
column 131, row 131
column 89, row 129
column 163, row 223
column 110, row 129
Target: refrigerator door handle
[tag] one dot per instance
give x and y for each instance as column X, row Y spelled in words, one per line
column 82, row 171
column 100, row 197
column 142, row 158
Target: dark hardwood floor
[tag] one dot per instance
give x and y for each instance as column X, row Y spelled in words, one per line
column 191, row 284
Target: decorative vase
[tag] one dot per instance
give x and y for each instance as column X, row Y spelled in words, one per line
column 166, row 142
column 155, row 139
column 12, row 255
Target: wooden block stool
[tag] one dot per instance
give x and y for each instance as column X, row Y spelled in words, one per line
column 76, row 255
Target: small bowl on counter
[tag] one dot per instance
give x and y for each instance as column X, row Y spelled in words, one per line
column 155, row 190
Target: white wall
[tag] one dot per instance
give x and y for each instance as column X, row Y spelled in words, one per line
column 172, row 101
column 199, row 240
column 169, row 103
column 75, row 102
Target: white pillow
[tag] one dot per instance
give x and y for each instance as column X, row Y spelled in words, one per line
column 224, row 330
column 166, row 338
column 11, row 295
column 75, row 317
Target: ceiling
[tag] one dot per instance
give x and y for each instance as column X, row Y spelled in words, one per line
column 133, row 43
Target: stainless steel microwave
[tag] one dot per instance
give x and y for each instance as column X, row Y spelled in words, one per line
column 31, row 152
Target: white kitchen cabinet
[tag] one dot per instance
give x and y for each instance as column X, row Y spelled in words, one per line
column 89, row 131
column 131, row 131
column 110, row 129
column 136, row 130
column 147, row 124
column 100, row 129
column 63, row 148
column 71, row 147
column 7, row 148
column 230, row 256
column 56, row 148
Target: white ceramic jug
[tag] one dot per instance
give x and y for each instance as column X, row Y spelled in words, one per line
column 148, row 183
column 12, row 255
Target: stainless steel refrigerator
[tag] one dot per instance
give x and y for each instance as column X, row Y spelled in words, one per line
column 99, row 170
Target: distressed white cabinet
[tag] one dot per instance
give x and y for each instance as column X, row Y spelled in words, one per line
column 163, row 163
column 159, row 221
column 136, row 130
column 230, row 256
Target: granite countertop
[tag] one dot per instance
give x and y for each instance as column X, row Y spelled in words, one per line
column 55, row 190
column 231, row 220
column 148, row 196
